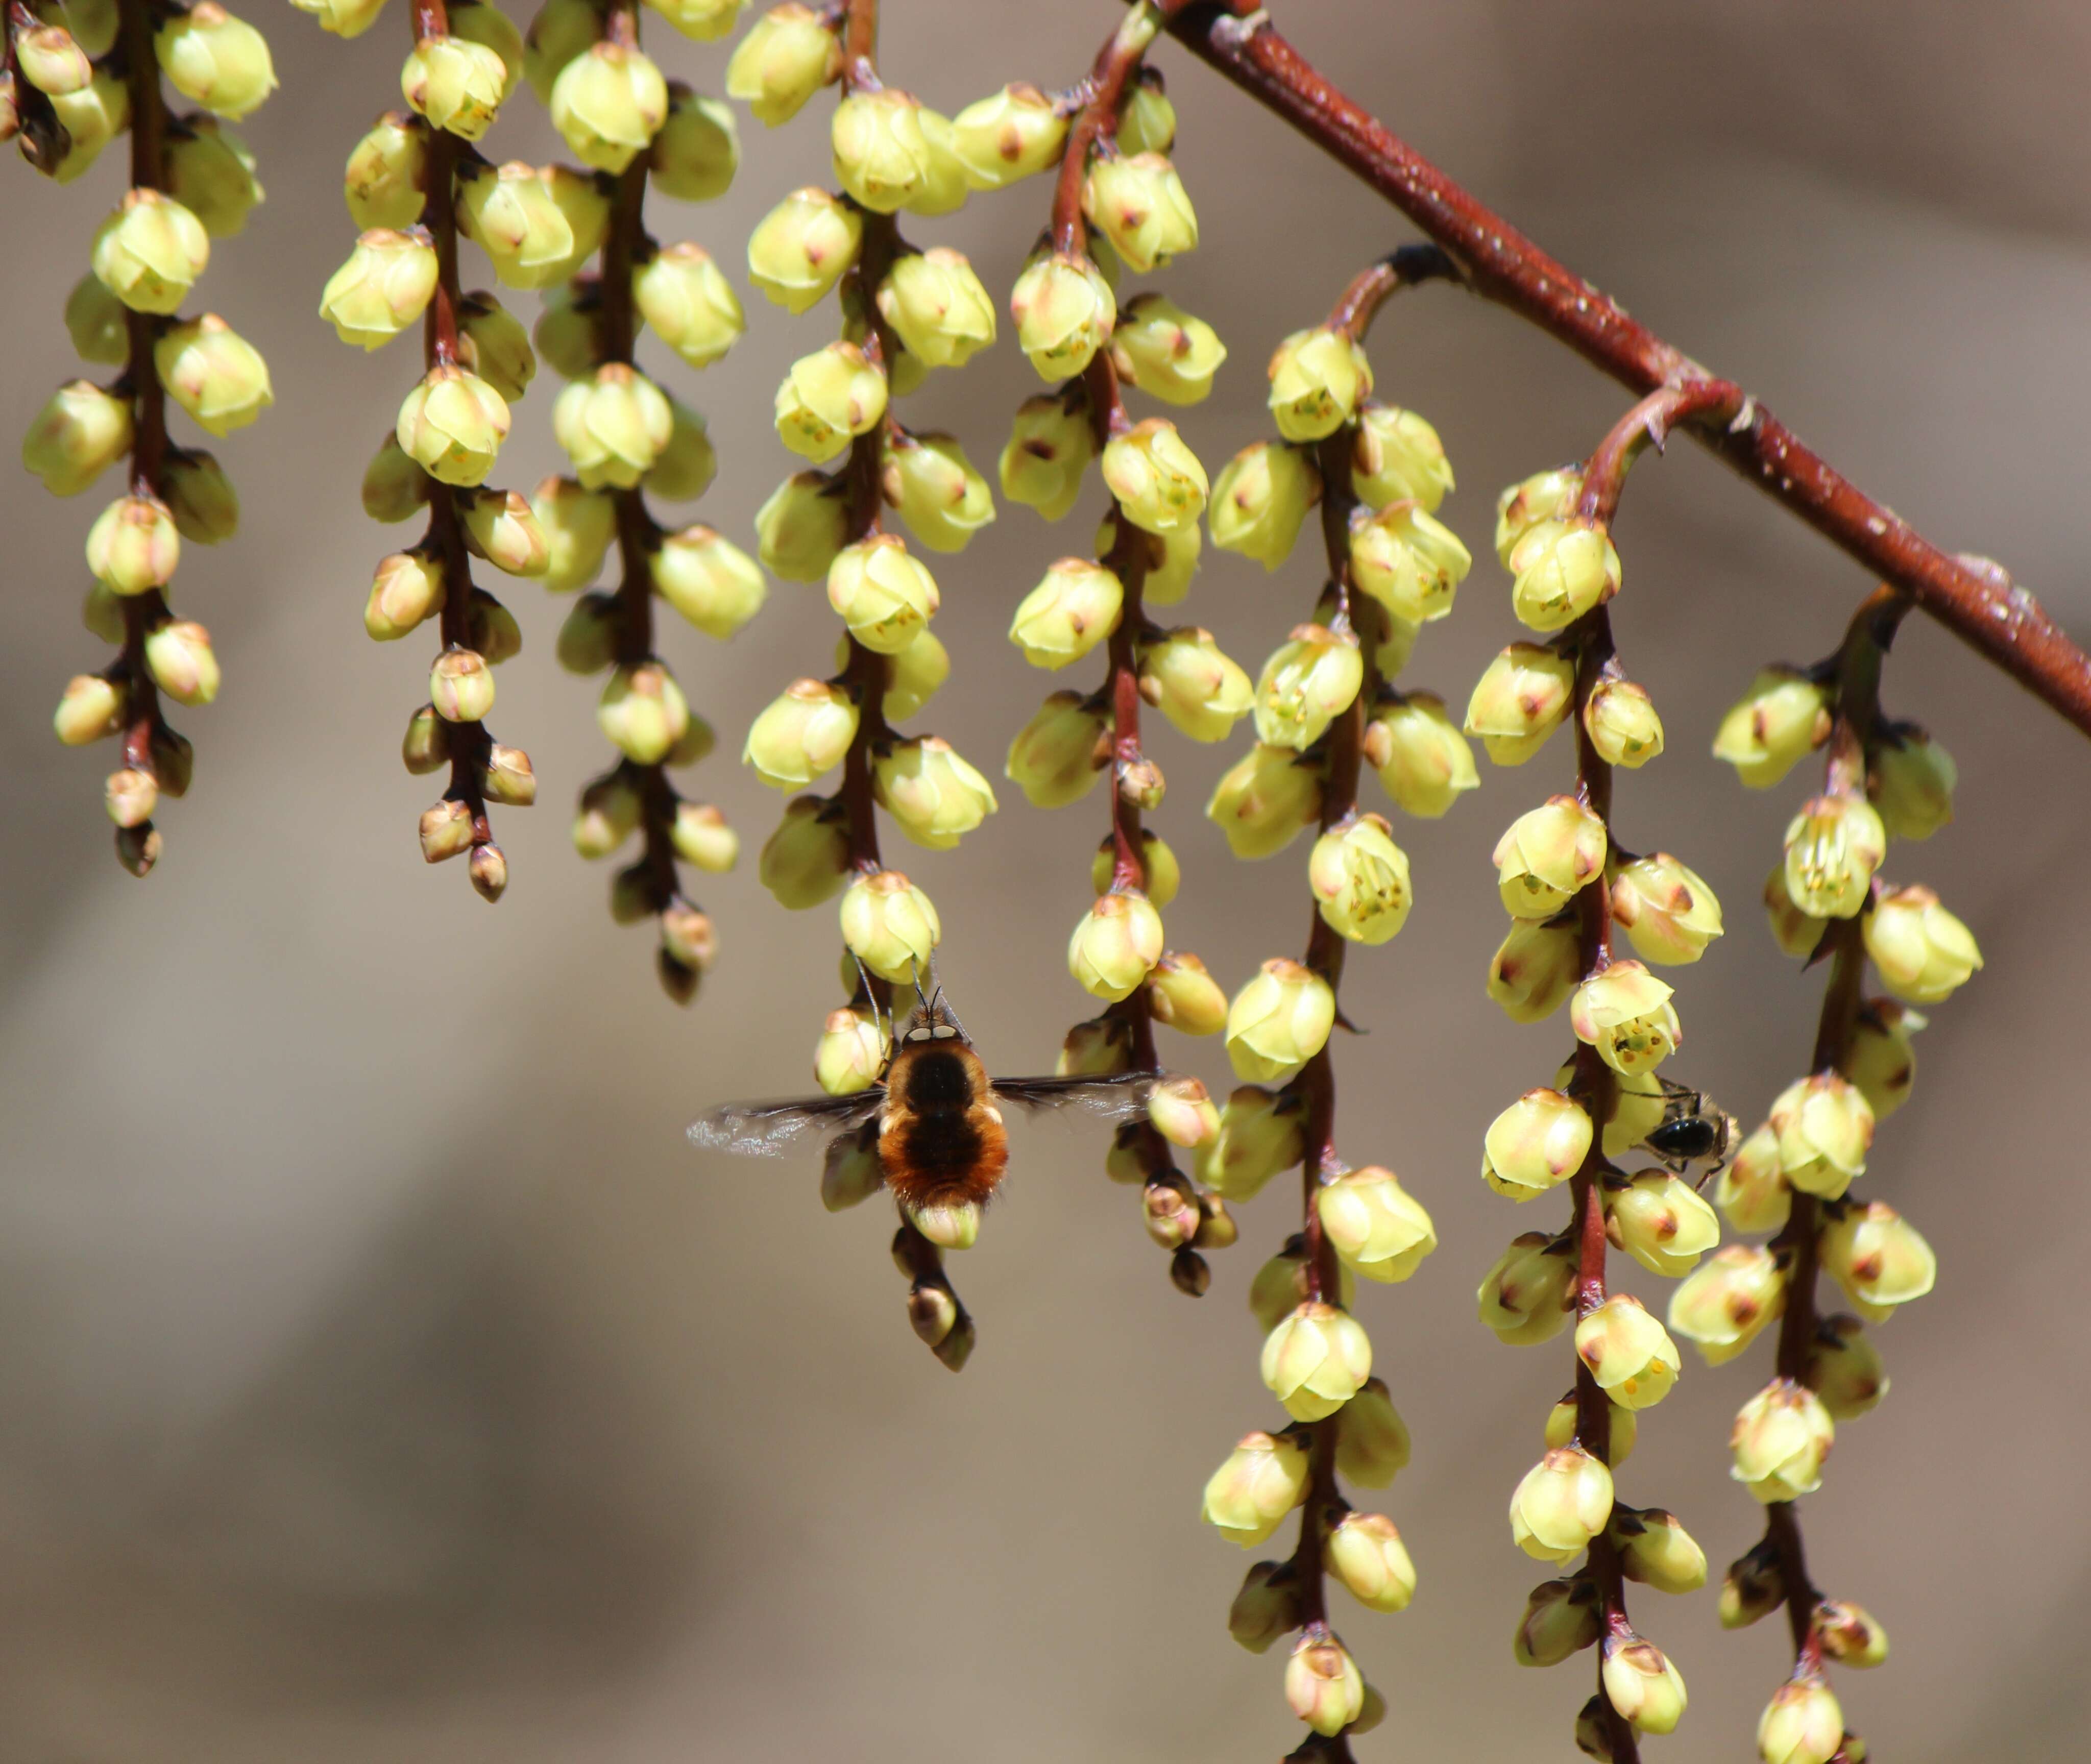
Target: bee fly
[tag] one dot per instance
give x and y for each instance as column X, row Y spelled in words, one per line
column 1694, row 1130
column 939, row 1137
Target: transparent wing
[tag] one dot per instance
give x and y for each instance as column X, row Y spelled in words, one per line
column 1114, row 1099
column 766, row 1129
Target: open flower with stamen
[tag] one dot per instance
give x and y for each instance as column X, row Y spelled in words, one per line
column 1316, row 1360
column 1626, row 1014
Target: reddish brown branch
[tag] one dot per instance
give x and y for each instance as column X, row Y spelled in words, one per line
column 1403, row 267
column 2004, row 623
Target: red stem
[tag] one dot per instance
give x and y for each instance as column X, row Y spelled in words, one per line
column 1977, row 602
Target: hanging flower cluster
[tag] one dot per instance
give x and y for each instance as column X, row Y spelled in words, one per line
column 1570, row 886
column 77, row 74
column 1325, row 707
column 633, row 131
column 1793, row 1176
column 414, row 184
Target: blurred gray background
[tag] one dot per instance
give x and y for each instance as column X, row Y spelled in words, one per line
column 382, row 1377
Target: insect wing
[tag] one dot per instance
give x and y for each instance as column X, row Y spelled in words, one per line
column 1116, row 1098
column 765, row 1130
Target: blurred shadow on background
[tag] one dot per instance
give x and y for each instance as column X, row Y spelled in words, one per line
column 381, row 1377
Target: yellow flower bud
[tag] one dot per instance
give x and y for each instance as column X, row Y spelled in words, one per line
column 1323, row 1686
column 97, row 322
column 1655, row 1550
column 1640, row 1105
column 1913, row 778
column 882, row 155
column 487, row 24
column 1185, row 997
column 91, row 709
column 1536, row 1143
column 1049, row 449
column 1833, row 847
column 1317, row 378
column 1802, row 1724
column 1623, row 727
column 929, row 479
column 1563, row 1502
column 788, row 55
column 891, row 925
column 1147, row 120
column 215, row 60
column 1563, row 570
column 1186, row 676
column 200, row 497
column 1259, row 1135
column 709, row 580
column 937, row 306
column 1750, row 1191
column 1366, row 1554
column 850, row 1175
column 77, row 436
column 1662, row 1223
column 134, row 546
column 1825, row 1125
column 1115, row 944
column 1307, row 682
column 1626, row 1014
column 1628, row 1352
column 1666, row 909
column 1266, row 1607
column 701, row 837
column 1784, row 715
column 704, row 21
column 385, row 172
column 493, row 345
column 150, row 252
column 1315, row 1360
column 1535, row 968
column 452, row 425
column 1165, row 351
column 455, row 83
column 1064, row 312
column 583, row 201
column 1753, row 1588
column 643, row 713
column 1850, row 1635
column 1547, row 854
column 1643, row 1685
column 407, row 589
column 885, row 596
column 1261, row 500
column 445, row 831
column 1522, row 697
column 697, row 151
column 1016, row 133
column 1560, row 1621
column 1877, row 1257
column 1779, row 1441
column 613, row 427
column 381, row 288
column 1053, row 759
column 608, row 104
column 802, row 733
column 805, row 861
column 801, row 530
column 687, row 465
column 509, row 212
column 578, row 525
column 800, row 248
column 1263, row 800
column 1158, row 481
column 1924, row 953
column 213, row 373
column 1423, row 763
column 953, row 1225
column 931, row 793
column 1359, row 880
column 1074, row 608
column 1140, row 204
column 461, row 687
column 851, row 1053
column 51, row 60
column 1545, row 496
column 688, row 303
column 1278, row 1021
column 1378, row 1229
column 1880, row 1060
column 828, row 397
column 1724, row 1303
column 93, row 115
column 1263, row 1479
column 1408, row 562
column 130, row 796
column 1396, row 457
column 211, row 173
column 500, row 527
